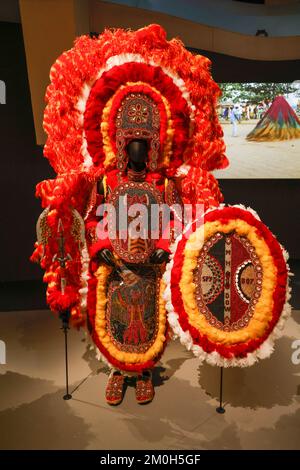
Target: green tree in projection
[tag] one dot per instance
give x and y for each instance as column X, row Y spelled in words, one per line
column 255, row 92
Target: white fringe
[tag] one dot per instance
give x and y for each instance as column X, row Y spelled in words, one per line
column 183, row 170
column 83, row 291
column 92, row 347
column 85, row 276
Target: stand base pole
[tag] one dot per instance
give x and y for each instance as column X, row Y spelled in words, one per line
column 67, row 396
column 65, row 327
column 220, row 408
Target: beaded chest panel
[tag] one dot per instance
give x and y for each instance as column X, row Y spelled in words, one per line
column 134, row 227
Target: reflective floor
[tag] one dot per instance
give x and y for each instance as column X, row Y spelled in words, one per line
column 262, row 402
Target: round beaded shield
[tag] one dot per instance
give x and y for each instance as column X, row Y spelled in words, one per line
column 227, row 288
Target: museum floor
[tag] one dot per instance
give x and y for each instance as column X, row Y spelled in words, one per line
column 262, row 402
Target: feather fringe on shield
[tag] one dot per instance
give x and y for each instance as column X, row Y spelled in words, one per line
column 214, row 358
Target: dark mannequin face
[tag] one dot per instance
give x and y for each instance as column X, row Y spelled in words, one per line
column 137, row 151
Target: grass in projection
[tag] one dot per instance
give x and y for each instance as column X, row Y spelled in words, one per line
column 261, row 123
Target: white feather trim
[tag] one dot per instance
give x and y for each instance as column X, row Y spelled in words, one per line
column 87, row 159
column 238, row 206
column 83, row 291
column 91, row 346
column 85, row 260
column 183, row 170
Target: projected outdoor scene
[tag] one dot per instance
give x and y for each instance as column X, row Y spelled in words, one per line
column 261, row 123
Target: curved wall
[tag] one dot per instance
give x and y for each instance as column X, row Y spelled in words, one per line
column 199, row 36
column 278, row 17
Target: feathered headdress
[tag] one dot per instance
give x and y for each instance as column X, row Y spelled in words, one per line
column 88, row 84
column 103, row 92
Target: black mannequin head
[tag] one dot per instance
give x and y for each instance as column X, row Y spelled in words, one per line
column 137, row 150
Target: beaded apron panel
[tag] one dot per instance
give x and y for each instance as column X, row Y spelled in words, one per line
column 228, row 279
column 132, row 308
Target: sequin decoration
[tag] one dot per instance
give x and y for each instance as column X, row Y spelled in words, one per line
column 228, row 279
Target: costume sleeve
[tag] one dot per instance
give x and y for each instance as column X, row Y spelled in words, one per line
column 97, row 236
column 172, row 197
